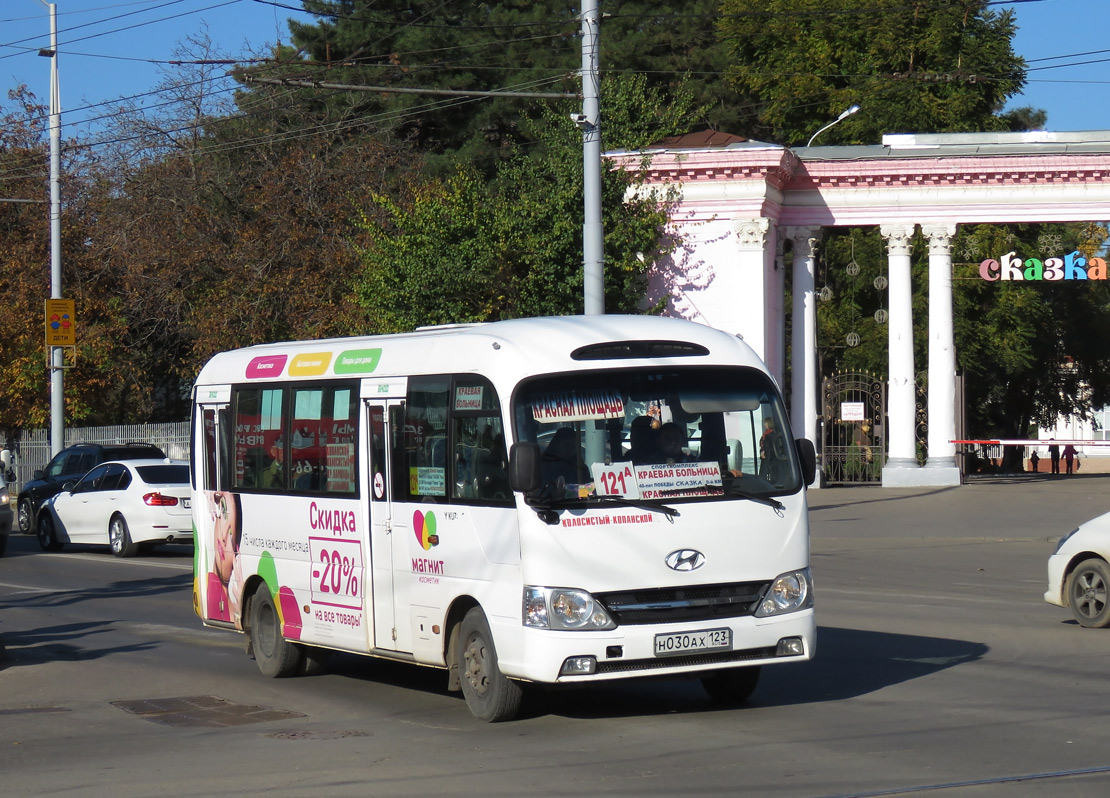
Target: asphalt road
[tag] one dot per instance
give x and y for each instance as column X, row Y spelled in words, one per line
column 940, row 670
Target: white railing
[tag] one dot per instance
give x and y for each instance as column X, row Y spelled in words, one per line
column 32, row 450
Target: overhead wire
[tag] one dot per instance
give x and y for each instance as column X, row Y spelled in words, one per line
column 414, row 110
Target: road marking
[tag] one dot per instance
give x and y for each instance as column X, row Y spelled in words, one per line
column 186, row 566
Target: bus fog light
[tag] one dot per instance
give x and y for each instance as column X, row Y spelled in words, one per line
column 790, row 647
column 577, row 666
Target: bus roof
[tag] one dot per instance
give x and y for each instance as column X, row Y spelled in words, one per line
column 509, row 349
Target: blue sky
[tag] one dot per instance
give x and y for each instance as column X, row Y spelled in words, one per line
column 110, row 49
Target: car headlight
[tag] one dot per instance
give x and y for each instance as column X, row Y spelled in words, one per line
column 563, row 608
column 5, row 498
column 789, row 592
column 1060, row 543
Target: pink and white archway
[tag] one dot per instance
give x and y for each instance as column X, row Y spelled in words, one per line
column 739, row 201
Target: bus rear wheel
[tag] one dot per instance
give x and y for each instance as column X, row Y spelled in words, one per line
column 276, row 656
column 731, row 686
column 490, row 695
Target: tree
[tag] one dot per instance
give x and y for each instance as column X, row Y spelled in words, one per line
column 25, row 275
column 510, row 44
column 463, row 249
column 913, row 66
column 1031, row 351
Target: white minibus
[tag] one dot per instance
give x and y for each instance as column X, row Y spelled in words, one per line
column 547, row 501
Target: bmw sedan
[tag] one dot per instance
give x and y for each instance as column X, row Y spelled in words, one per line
column 125, row 504
column 1079, row 573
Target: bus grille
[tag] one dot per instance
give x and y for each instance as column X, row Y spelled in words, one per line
column 683, row 604
column 664, row 663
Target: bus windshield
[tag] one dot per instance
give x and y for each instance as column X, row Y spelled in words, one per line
column 665, row 434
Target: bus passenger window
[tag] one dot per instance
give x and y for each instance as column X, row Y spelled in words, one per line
column 258, row 428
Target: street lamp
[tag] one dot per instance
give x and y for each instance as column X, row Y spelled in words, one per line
column 57, row 401
column 844, row 115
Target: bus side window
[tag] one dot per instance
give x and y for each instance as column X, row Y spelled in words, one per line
column 479, row 461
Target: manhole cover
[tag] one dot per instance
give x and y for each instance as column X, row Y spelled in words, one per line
column 203, row 711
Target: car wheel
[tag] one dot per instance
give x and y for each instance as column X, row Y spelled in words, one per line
column 48, row 536
column 732, row 686
column 1089, row 593
column 276, row 656
column 119, row 538
column 490, row 695
column 25, row 513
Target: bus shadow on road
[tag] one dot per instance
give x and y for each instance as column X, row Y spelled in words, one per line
column 849, row 663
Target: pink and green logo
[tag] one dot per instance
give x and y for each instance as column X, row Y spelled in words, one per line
column 424, row 526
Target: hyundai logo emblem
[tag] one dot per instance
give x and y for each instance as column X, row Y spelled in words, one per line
column 685, row 560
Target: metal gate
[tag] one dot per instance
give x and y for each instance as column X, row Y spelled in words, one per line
column 853, row 438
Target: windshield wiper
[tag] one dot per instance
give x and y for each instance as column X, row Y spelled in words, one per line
column 738, row 492
column 545, row 505
column 643, row 505
column 770, row 501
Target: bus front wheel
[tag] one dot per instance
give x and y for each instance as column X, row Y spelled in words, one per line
column 490, row 695
column 276, row 656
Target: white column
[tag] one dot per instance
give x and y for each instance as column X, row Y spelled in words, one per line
column 803, row 334
column 942, row 358
column 752, row 258
column 901, row 454
column 776, row 310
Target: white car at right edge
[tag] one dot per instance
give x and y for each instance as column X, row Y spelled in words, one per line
column 1079, row 573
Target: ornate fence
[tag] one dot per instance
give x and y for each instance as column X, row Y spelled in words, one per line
column 853, row 438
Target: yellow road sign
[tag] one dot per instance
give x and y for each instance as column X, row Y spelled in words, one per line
column 61, row 323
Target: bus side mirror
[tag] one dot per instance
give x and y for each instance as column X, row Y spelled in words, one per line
column 807, row 456
column 524, row 467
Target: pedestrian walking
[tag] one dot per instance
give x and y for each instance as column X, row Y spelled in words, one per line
column 1054, row 456
column 1069, row 457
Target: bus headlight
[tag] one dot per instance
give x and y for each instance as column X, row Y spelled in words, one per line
column 789, row 592
column 563, row 608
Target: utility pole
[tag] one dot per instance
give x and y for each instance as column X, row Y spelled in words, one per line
column 589, row 121
column 57, row 361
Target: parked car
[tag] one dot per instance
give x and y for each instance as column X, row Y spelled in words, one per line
column 5, row 516
column 124, row 504
column 69, row 465
column 1079, row 573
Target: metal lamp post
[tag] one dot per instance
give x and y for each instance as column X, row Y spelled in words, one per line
column 844, row 115
column 57, row 400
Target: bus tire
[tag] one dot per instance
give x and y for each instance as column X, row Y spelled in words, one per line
column 276, row 657
column 490, row 695
column 731, row 686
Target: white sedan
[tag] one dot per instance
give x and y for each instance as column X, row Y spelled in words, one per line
column 123, row 504
column 1079, row 573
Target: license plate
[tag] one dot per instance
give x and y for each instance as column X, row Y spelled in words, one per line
column 693, row 642
column 185, row 503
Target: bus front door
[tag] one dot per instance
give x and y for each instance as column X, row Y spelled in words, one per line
column 387, row 541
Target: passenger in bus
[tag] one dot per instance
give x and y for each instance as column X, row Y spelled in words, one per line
column 561, row 457
column 643, row 442
column 672, row 444
column 272, row 474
